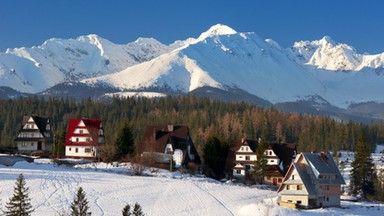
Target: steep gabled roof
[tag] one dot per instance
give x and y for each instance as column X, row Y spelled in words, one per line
column 284, row 151
column 323, row 164
column 41, row 122
column 156, row 137
column 304, row 179
column 90, row 124
column 316, row 164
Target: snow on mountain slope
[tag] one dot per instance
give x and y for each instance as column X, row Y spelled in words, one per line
column 222, row 58
column 58, row 60
column 327, row 54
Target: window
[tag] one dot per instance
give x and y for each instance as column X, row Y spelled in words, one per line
column 32, row 143
column 293, row 177
column 77, row 139
column 272, row 161
column 247, row 158
column 287, row 187
column 87, row 150
column 76, row 150
column 23, row 144
column 289, row 201
column 88, row 139
column 299, row 187
column 238, row 171
column 280, row 180
column 81, row 131
column 298, row 201
column 70, row 149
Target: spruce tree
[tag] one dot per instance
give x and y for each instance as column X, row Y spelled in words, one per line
column 126, row 210
column 80, row 206
column 215, row 153
column 137, row 210
column 260, row 165
column 20, row 203
column 124, row 141
column 363, row 173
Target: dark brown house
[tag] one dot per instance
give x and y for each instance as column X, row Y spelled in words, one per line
column 164, row 143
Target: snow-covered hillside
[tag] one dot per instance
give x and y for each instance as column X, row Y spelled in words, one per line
column 220, row 58
column 108, row 189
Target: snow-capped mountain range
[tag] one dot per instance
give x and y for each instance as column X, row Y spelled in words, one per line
column 219, row 58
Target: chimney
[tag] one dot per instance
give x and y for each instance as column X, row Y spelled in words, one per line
column 170, row 128
column 324, row 157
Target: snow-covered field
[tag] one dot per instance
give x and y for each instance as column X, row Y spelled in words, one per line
column 108, row 189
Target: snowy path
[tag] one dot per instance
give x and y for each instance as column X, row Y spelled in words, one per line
column 52, row 190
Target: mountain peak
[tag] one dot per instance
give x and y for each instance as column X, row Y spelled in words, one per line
column 217, row 29
column 327, row 40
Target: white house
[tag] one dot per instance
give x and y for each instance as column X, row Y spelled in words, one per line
column 83, row 138
column 278, row 155
column 312, row 181
column 34, row 135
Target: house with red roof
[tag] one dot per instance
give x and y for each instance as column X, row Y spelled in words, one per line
column 83, row 138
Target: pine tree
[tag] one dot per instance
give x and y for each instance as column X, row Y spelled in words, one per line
column 126, row 210
column 260, row 165
column 20, row 203
column 124, row 141
column 363, row 174
column 80, row 206
column 137, row 210
column 215, row 152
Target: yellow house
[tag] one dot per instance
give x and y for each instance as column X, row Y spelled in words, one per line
column 312, row 181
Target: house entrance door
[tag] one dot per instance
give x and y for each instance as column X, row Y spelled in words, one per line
column 274, row 181
column 38, row 145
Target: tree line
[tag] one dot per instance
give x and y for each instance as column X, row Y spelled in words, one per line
column 205, row 117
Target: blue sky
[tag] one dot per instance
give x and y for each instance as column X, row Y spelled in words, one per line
column 25, row 23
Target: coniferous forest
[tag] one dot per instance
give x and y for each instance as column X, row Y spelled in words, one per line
column 205, row 117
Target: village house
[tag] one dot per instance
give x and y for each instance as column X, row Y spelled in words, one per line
column 279, row 156
column 166, row 143
column 83, row 138
column 35, row 135
column 312, row 181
